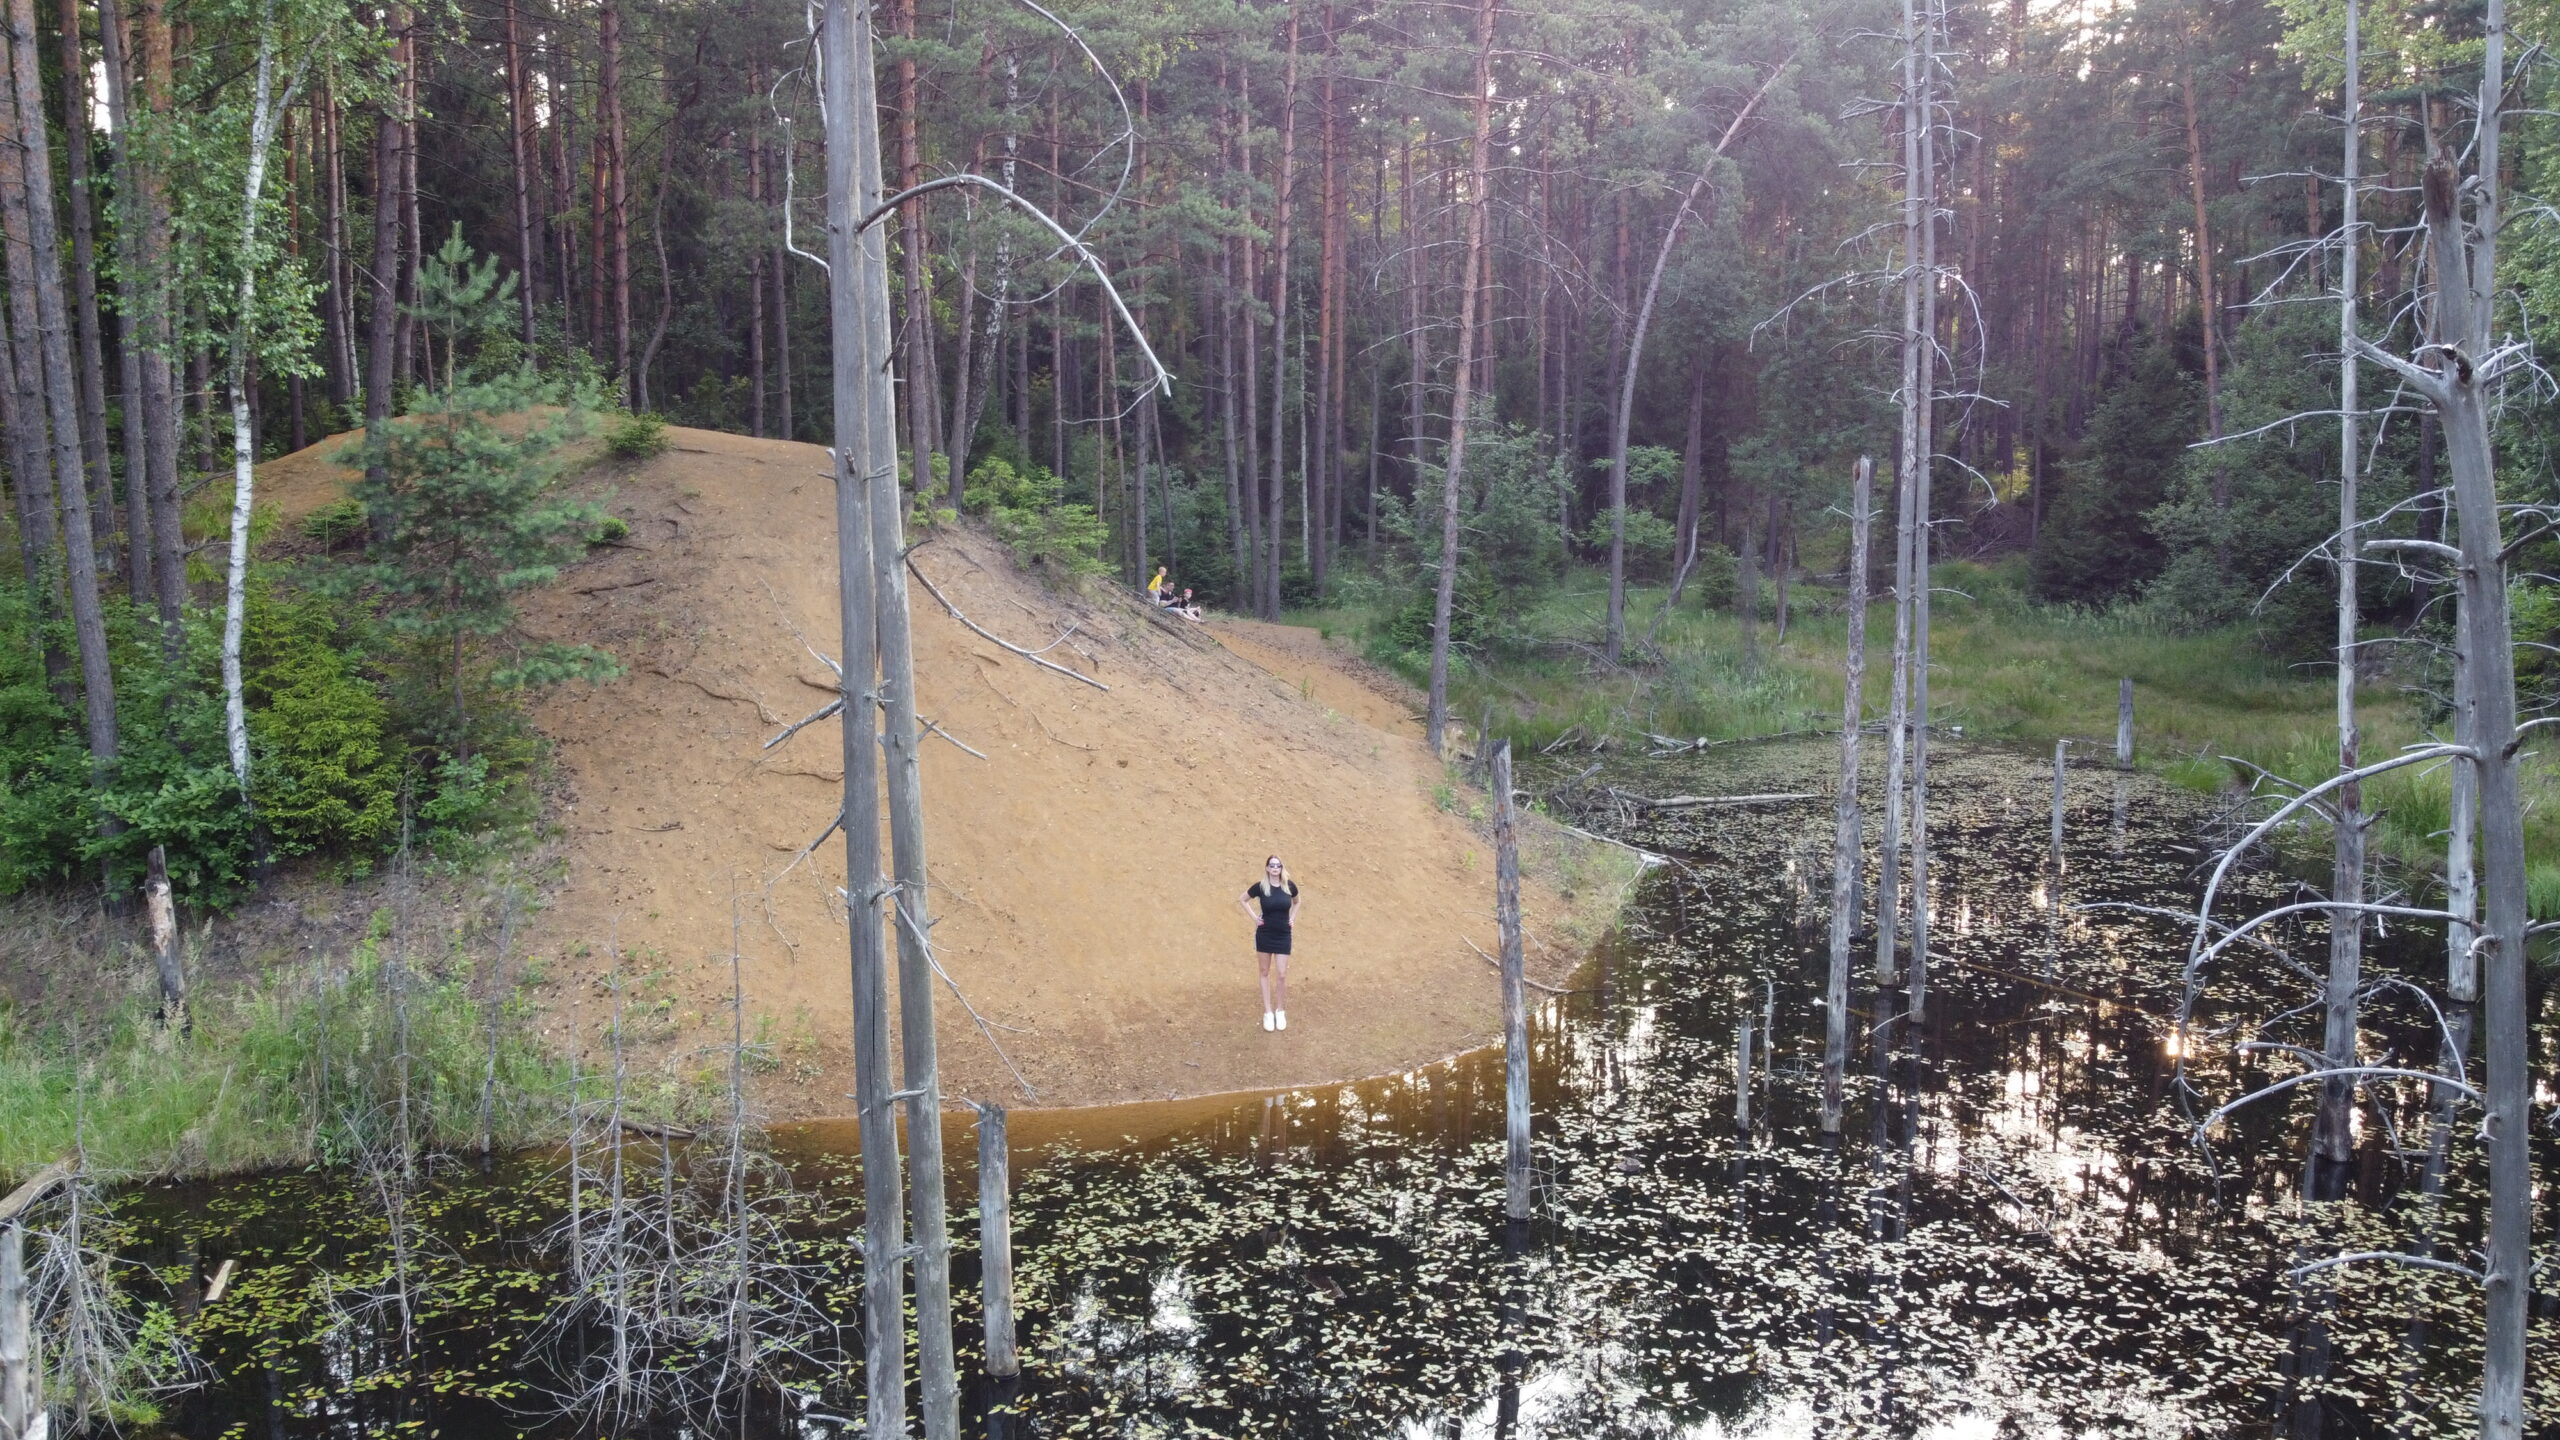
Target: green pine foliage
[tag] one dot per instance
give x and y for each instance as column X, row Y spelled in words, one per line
column 2095, row 547
column 641, row 436
column 1027, row 508
column 467, row 515
column 326, row 762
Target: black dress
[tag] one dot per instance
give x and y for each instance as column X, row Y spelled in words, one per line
column 1271, row 937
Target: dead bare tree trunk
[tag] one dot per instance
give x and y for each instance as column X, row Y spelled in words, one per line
column 162, row 911
column 936, row 1372
column 2333, row 1130
column 1897, row 737
column 19, row 1402
column 2459, row 379
column 866, row 444
column 1479, row 166
column 1923, row 424
column 995, row 1245
column 1515, row 991
column 1845, row 850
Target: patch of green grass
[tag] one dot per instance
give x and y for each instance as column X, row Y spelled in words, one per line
column 286, row 1071
column 2002, row 667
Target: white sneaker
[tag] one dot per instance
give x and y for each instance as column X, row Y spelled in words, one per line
column 1284, row 1020
column 1266, row 1021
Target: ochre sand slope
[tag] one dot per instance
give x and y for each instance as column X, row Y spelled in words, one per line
column 1085, row 874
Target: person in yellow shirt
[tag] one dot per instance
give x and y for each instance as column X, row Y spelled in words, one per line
column 1155, row 587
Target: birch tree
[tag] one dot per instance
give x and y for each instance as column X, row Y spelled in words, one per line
column 267, row 106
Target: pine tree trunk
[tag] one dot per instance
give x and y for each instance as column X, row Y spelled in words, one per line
column 1228, row 305
column 520, row 141
column 159, row 359
column 609, row 41
column 1417, row 340
column 21, row 420
column 755, row 281
column 134, row 300
column 1479, row 169
column 35, row 264
column 84, row 276
column 987, row 359
column 1281, row 200
column 1692, row 475
column 782, row 342
column 2207, row 307
column 1249, row 271
column 382, row 333
column 563, row 114
column 404, row 191
column 339, row 313
column 1325, row 456
column 915, row 335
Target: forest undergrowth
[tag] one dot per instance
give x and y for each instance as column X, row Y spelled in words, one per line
column 2212, row 708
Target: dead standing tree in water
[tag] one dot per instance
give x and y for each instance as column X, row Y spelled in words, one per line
column 1845, row 851
column 878, row 677
column 2458, row 373
column 683, row 1294
column 1515, row 996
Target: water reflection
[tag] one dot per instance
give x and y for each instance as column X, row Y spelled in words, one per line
column 2014, row 1236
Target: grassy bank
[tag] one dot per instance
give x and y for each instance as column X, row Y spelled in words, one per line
column 306, row 1063
column 2003, row 668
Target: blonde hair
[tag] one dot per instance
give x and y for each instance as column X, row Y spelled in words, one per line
column 1285, row 881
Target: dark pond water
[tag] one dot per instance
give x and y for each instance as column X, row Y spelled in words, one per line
column 2017, row 1235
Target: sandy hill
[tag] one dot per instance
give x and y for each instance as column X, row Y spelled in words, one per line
column 1085, row 873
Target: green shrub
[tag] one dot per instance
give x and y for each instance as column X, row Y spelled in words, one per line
column 474, row 808
column 327, row 771
column 1650, row 540
column 607, row 530
column 641, row 436
column 335, row 523
column 1472, row 603
column 1027, row 510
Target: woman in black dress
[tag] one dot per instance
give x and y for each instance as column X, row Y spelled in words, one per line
column 1271, row 903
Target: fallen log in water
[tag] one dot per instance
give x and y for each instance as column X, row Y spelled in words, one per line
column 1692, row 802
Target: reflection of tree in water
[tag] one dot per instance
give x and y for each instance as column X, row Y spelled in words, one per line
column 2016, row 1224
column 2029, row 1234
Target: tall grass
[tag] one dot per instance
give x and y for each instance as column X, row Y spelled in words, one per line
column 305, row 1064
column 2003, row 667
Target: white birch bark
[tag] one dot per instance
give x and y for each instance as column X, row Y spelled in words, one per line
column 265, row 108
